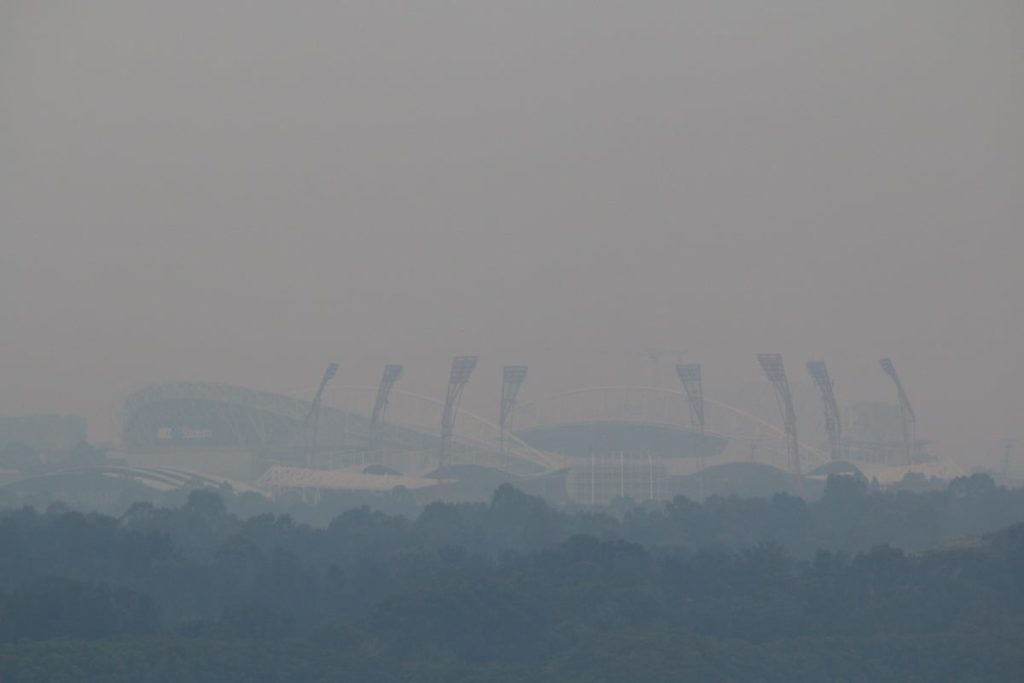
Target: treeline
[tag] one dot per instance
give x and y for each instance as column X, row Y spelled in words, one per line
column 851, row 516
column 517, row 590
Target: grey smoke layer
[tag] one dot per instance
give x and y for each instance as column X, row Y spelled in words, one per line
column 243, row 191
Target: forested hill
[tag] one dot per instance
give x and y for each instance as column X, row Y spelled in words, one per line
column 859, row 586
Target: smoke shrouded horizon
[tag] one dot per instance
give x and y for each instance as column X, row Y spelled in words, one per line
column 241, row 192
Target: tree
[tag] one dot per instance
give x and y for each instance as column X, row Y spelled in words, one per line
column 206, row 504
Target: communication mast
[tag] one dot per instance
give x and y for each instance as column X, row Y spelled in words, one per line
column 380, row 405
column 908, row 419
column 512, row 377
column 1008, row 445
column 773, row 367
column 689, row 375
column 311, row 424
column 462, row 368
column 833, row 423
column 655, row 356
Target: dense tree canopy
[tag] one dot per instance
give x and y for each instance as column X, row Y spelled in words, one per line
column 861, row 585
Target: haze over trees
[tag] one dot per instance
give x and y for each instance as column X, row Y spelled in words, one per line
column 860, row 585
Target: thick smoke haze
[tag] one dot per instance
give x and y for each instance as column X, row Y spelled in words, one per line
column 242, row 191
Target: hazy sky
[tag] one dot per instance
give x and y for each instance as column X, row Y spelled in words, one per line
column 243, row 191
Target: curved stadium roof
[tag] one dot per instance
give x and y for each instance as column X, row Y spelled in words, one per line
column 208, row 414
column 205, row 415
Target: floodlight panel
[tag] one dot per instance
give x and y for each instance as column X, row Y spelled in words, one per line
column 462, row 368
column 888, row 367
column 332, row 370
column 818, row 370
column 688, row 372
column 514, row 373
column 772, row 365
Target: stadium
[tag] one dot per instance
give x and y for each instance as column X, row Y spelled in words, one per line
column 592, row 445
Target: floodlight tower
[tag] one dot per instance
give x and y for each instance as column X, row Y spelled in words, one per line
column 773, row 367
column 380, row 405
column 512, row 377
column 311, row 424
column 833, row 423
column 908, row 419
column 462, row 368
column 689, row 375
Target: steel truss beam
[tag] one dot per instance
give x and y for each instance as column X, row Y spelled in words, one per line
column 833, row 421
column 773, row 367
column 462, row 369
